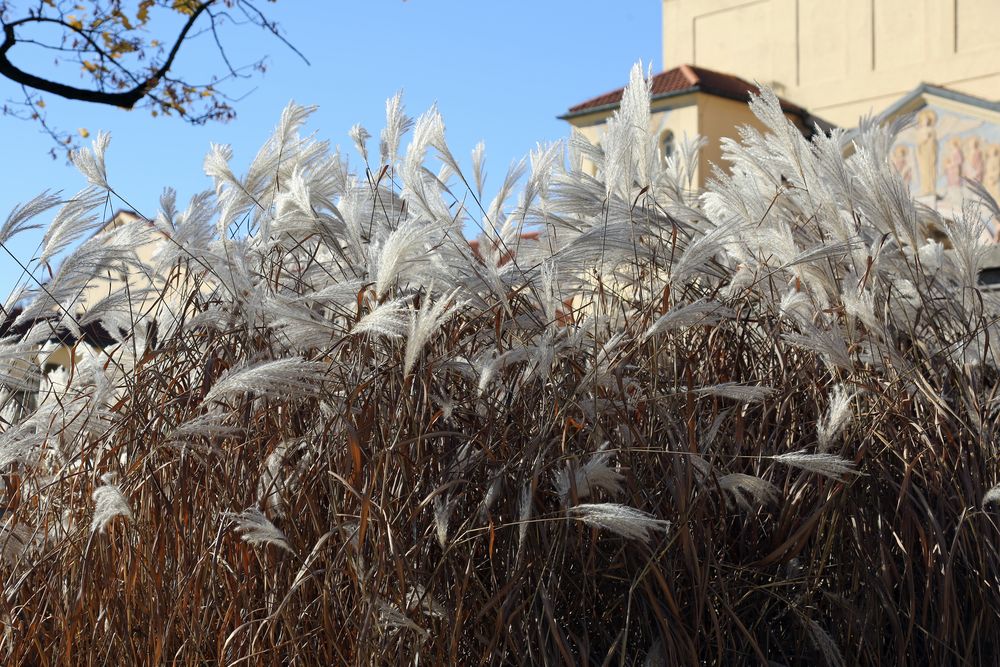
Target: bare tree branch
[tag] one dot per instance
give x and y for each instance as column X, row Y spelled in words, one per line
column 125, row 99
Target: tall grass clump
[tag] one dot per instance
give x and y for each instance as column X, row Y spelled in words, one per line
column 751, row 425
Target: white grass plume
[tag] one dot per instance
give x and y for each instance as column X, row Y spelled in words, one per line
column 698, row 252
column 828, row 343
column 120, row 309
column 595, row 474
column 211, row 425
column 19, row 369
column 404, row 247
column 442, row 515
column 991, row 496
column 74, row 219
column 626, row 143
column 479, row 167
column 282, row 377
column 360, row 136
column 420, row 189
column 275, row 480
column 495, row 211
column 931, row 254
column 19, row 444
column 746, row 488
column 17, row 220
column 837, row 416
column 419, row 597
column 744, row 393
column 255, row 528
column 15, row 541
column 690, row 314
column 677, row 177
column 216, row 166
column 397, row 124
column 968, row 247
column 860, row 305
column 523, row 517
column 109, row 502
column 622, row 520
column 823, row 251
column 113, row 249
column 424, row 323
column 391, row 618
column 91, row 162
column 490, row 369
column 828, row 465
column 825, row 643
column 797, row 306
column 493, row 492
column 390, row 319
column 341, row 294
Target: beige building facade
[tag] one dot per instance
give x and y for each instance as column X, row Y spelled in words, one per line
column 841, row 59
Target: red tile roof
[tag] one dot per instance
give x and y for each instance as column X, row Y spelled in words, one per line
column 681, row 80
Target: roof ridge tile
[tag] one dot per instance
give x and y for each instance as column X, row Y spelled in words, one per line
column 689, row 74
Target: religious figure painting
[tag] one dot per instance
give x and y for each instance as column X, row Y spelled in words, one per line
column 942, row 150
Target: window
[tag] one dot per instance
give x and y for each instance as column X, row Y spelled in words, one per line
column 666, row 144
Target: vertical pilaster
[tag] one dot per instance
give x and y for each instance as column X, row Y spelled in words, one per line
column 861, row 26
column 784, row 45
column 678, row 33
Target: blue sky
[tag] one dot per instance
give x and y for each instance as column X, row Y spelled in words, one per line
column 499, row 71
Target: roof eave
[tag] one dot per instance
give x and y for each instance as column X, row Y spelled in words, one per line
column 614, row 105
column 937, row 91
column 701, row 88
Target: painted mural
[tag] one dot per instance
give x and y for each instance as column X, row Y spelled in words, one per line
column 942, row 148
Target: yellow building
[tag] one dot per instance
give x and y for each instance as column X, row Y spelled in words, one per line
column 688, row 101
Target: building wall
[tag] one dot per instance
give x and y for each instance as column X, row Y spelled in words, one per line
column 719, row 117
column 840, row 58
